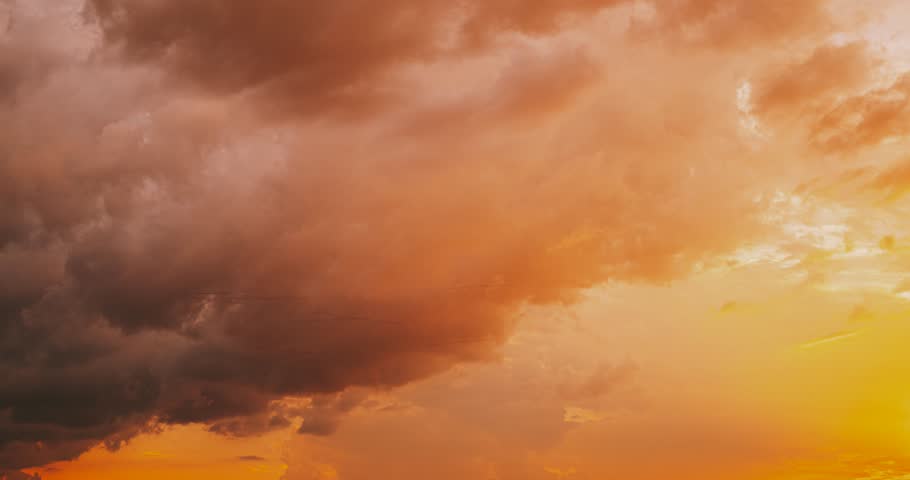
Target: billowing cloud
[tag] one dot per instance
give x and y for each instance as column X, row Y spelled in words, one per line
column 173, row 252
column 317, row 56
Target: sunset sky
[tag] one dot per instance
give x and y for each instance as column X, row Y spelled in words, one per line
column 455, row 240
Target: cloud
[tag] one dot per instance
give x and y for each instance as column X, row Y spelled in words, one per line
column 189, row 234
column 834, row 337
column 865, row 119
column 251, row 458
column 561, row 473
column 828, row 72
column 10, row 475
column 602, row 382
column 837, row 99
column 323, row 415
column 892, row 181
column 720, row 24
column 582, row 415
column 279, row 49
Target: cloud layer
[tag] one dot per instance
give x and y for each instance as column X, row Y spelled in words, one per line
column 209, row 207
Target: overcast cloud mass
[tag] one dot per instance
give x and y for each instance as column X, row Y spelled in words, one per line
column 212, row 209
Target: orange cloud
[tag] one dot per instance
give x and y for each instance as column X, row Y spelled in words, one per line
column 829, row 72
column 211, row 207
column 865, row 120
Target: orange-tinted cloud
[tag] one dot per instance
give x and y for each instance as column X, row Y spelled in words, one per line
column 322, row 56
column 172, row 255
column 865, row 119
column 720, row 24
column 828, row 72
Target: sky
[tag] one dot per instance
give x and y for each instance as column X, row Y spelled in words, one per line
column 492, row 240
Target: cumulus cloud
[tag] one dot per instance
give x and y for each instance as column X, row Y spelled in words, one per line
column 209, row 207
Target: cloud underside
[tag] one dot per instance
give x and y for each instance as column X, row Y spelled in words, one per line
column 208, row 207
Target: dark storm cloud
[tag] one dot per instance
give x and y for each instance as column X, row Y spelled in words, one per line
column 168, row 255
